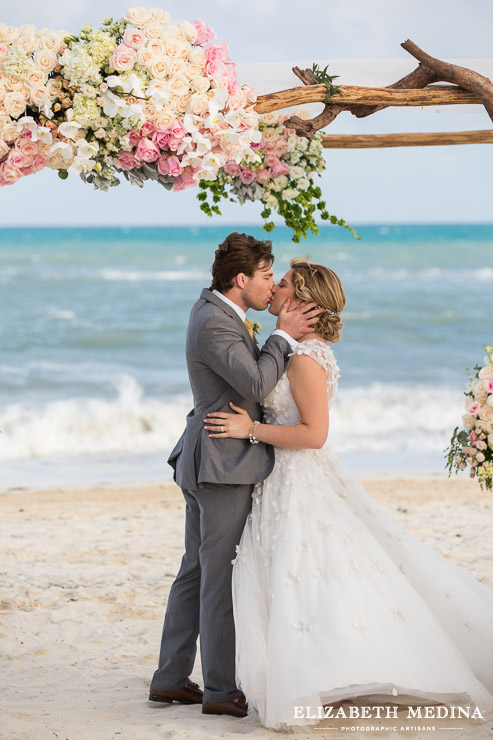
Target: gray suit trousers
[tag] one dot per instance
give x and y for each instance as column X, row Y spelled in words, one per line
column 200, row 599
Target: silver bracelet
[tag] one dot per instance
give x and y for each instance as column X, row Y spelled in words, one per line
column 251, row 433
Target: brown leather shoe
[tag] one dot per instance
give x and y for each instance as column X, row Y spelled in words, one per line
column 189, row 694
column 235, row 708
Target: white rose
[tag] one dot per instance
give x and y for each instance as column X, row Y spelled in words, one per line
column 197, row 57
column 159, row 68
column 175, row 32
column 45, row 60
column 181, row 103
column 303, row 183
column 486, row 373
column 177, row 68
column 36, row 77
column 9, row 131
column 489, row 401
column 468, row 422
column 145, row 57
column 189, row 31
column 137, row 16
column 270, row 117
column 8, row 34
column 485, row 413
column 296, row 172
column 4, row 149
column 289, row 194
column 164, row 119
column 15, row 104
column 12, row 83
column 25, row 91
column 269, row 199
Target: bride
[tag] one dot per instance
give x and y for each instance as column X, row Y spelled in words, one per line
column 333, row 600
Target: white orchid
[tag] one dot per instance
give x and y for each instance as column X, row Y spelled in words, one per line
column 64, row 148
column 86, row 149
column 43, row 134
column 82, row 164
column 69, row 129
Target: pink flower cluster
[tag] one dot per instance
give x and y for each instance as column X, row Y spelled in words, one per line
column 161, row 147
column 23, row 158
column 273, row 166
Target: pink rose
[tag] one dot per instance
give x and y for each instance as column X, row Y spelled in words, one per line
column 488, row 385
column 216, row 53
column 256, row 145
column 17, row 159
column 134, row 138
column 127, row 161
column 177, row 129
column 133, row 38
column 474, row 408
column 271, row 160
column 473, row 437
column 8, row 174
column 174, row 143
column 146, row 151
column 232, row 168
column 281, row 146
column 263, row 176
column 160, row 139
column 174, row 166
column 250, row 94
column 26, row 146
column 214, row 69
column 123, row 58
column 38, row 164
column 281, row 168
column 147, row 128
column 162, row 164
column 231, row 74
column 204, row 32
column 186, row 179
column 247, row 176
column 268, row 146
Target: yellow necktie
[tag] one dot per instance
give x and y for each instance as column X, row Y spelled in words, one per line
column 249, row 327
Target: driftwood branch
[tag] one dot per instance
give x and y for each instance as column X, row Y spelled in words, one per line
column 418, row 78
column 373, row 141
column 472, row 81
column 307, row 128
column 353, row 95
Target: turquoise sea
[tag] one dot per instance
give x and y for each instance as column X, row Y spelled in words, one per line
column 93, row 383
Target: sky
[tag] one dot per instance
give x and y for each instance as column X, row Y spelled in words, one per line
column 407, row 185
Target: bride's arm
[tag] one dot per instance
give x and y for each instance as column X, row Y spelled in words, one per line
column 309, row 390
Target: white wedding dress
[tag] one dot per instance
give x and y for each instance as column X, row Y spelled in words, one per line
column 334, row 600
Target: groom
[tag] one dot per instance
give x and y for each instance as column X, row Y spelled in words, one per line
column 217, row 476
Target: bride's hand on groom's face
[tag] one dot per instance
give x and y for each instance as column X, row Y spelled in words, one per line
column 221, row 425
column 298, row 321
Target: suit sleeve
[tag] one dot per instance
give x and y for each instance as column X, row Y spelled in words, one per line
column 224, row 351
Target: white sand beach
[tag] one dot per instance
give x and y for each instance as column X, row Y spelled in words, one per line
column 84, row 581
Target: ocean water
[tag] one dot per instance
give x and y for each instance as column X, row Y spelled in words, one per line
column 93, row 382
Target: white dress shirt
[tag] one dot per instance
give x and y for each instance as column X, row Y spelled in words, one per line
column 242, row 314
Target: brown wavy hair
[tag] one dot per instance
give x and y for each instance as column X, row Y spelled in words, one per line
column 239, row 253
column 320, row 284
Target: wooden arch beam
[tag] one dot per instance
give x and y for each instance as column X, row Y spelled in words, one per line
column 374, row 141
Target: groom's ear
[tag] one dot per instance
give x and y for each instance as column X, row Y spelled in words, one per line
column 240, row 280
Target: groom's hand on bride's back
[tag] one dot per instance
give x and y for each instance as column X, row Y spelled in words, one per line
column 300, row 320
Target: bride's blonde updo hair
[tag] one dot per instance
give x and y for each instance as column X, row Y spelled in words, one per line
column 319, row 284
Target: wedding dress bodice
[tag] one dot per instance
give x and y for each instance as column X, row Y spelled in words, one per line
column 279, row 406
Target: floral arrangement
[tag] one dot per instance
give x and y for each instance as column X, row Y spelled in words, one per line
column 279, row 171
column 473, row 445
column 139, row 96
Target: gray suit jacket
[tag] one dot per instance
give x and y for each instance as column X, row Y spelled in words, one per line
column 225, row 364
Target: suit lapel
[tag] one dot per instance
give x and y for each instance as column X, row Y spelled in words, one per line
column 208, row 295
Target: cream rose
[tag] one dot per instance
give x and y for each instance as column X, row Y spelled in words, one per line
column 12, row 83
column 159, row 68
column 48, row 39
column 15, row 104
column 489, row 401
column 486, row 373
column 144, row 57
column 37, row 96
column 149, row 110
column 52, row 88
column 198, row 57
column 200, row 84
column 28, row 43
column 9, row 132
column 36, row 77
column 176, row 32
column 191, row 70
column 159, row 16
column 182, row 102
column 163, row 120
column 156, row 47
column 137, row 16
column 25, row 91
column 8, row 34
column 189, row 31
column 179, row 86
column 176, row 49
column 45, row 60
column 198, row 103
column 153, row 30
column 485, row 413
column 177, row 68
column 4, row 149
